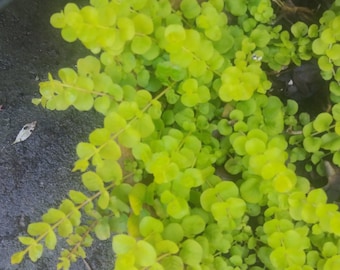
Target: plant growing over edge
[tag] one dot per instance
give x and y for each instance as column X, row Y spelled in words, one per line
column 212, row 182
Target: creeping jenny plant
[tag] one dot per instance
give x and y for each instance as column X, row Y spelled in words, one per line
column 211, row 182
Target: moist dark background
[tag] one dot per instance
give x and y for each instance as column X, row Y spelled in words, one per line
column 36, row 174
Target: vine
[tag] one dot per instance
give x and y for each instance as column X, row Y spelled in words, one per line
column 211, row 181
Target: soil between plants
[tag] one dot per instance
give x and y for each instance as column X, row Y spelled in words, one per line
column 36, row 174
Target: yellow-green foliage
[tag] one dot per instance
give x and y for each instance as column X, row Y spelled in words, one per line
column 167, row 81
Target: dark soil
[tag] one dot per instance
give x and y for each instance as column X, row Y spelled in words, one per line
column 36, row 174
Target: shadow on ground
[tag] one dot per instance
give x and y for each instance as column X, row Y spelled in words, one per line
column 36, row 174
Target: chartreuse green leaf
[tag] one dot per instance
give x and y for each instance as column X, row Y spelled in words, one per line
column 114, row 122
column 234, row 165
column 284, row 181
column 299, row 29
column 38, row 228
column 332, row 263
column 312, row 144
column 172, row 262
column 250, row 190
column 51, row 240
column 329, row 250
column 192, row 177
column 190, row 8
column 145, row 254
column 254, row 146
column 65, row 228
column 85, row 150
column 57, row 20
column 81, row 165
column 99, row 136
column 177, row 208
column 109, row 170
column 224, row 128
column 193, row 225
column 126, row 28
column 191, row 252
column 319, row 46
column 102, row 104
column 336, row 158
column 333, row 52
column 237, row 8
column 122, row 243
column 317, row 196
column 142, row 152
column 335, row 224
column 330, row 141
column 325, row 213
column 77, row 196
column 35, row 252
column 308, row 213
column 125, row 261
column 143, row 24
column 166, row 247
column 68, row 75
column 173, row 232
column 149, row 225
column 275, row 225
column 141, row 44
column 322, row 122
column 69, row 34
column 53, row 216
column 175, row 35
column 208, row 198
column 325, row 64
column 27, row 240
column 144, row 126
column 88, row 65
column 17, row 257
column 84, row 102
column 92, row 181
column 233, row 208
column 137, row 197
column 336, row 111
column 220, row 263
column 102, row 229
column 167, row 70
column 110, row 150
column 238, row 84
column 104, row 199
column 296, row 239
column 221, row 191
column 162, row 168
column 312, row 258
column 334, row 87
column 260, row 37
column 238, row 142
column 226, row 189
column 291, row 107
column 282, row 257
column 194, row 94
column 131, row 136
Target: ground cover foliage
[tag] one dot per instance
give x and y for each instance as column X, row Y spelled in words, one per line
column 195, row 166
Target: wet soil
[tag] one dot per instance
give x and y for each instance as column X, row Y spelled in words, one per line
column 36, row 174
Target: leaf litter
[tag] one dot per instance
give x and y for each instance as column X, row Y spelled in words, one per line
column 25, row 132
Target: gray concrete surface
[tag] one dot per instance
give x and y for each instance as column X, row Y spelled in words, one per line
column 36, row 174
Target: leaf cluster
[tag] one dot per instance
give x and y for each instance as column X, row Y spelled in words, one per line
column 183, row 94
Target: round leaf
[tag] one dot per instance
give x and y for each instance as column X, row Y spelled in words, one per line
column 191, row 252
column 322, row 122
